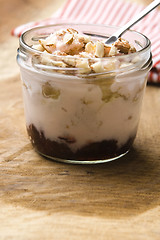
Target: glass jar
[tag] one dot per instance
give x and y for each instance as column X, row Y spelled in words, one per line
column 78, row 117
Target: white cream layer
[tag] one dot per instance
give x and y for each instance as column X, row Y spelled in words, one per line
column 79, row 112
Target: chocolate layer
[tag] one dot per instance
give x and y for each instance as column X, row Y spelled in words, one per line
column 105, row 149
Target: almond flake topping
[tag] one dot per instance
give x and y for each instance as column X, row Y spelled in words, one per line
column 86, row 52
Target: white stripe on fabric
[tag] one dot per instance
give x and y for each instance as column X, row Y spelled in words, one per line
column 111, row 18
column 84, row 11
column 69, row 9
column 100, row 11
column 107, row 10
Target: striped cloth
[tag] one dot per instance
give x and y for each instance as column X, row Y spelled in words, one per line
column 109, row 12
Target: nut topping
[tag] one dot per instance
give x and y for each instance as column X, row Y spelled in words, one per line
column 68, row 42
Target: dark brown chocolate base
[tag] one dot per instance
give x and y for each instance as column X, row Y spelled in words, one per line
column 94, row 151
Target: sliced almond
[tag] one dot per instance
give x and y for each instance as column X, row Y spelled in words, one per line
column 43, row 44
column 90, row 47
column 97, row 67
column 59, row 64
column 109, row 65
column 113, row 51
column 85, row 55
column 99, row 49
column 70, row 61
column 45, row 59
column 68, row 38
column 38, row 47
column 84, row 65
column 132, row 49
column 87, row 39
column 81, row 39
column 71, row 30
column 106, row 50
column 51, row 39
column 47, row 46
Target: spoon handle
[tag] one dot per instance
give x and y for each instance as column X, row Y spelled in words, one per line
column 137, row 18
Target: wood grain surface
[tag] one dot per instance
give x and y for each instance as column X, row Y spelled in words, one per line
column 45, row 200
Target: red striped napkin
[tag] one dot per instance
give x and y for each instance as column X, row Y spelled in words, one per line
column 109, row 12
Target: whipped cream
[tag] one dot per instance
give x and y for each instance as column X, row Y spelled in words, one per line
column 87, row 112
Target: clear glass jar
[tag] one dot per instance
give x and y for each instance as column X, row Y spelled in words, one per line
column 78, row 117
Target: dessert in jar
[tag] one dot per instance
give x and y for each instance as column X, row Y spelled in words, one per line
column 82, row 98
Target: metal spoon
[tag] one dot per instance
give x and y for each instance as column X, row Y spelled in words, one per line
column 137, row 18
